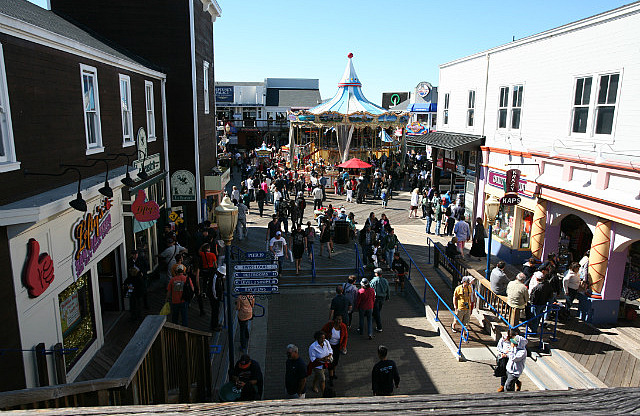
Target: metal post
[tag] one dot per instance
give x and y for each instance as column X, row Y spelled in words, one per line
column 227, row 255
column 428, row 250
column 488, row 271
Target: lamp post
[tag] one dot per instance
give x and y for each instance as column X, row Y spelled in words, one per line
column 491, row 207
column 227, row 218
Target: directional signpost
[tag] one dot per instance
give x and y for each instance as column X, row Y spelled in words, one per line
column 258, row 276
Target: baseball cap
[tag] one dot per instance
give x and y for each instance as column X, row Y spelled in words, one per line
column 378, row 270
column 244, row 362
column 278, row 233
column 364, row 281
column 180, row 268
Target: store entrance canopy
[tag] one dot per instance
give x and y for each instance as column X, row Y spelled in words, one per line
column 447, row 141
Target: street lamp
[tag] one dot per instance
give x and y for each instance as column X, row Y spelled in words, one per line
column 227, row 218
column 491, row 207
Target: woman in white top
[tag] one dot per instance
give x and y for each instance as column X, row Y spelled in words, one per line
column 320, row 352
column 571, row 283
column 415, row 201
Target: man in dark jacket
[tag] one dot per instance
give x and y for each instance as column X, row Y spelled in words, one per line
column 541, row 294
column 384, row 374
column 247, row 375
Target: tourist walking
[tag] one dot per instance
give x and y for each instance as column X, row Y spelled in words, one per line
column 364, row 304
column 381, row 286
column 462, row 233
column 415, row 200
column 462, row 299
column 310, row 234
column 320, row 356
column 513, row 347
column 295, row 377
column 477, row 246
column 317, row 198
column 340, row 304
column 325, row 236
column 350, row 291
column 384, row 375
column 337, row 334
column 298, row 243
column 247, row 376
column 278, row 246
column 175, row 294
column 400, row 267
column 244, row 306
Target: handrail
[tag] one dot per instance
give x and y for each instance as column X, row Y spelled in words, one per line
column 445, row 256
column 506, row 321
column 464, row 333
column 313, row 264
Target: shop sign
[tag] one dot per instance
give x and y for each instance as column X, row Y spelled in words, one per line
column 423, row 89
column 144, row 210
column 499, row 180
column 224, row 94
column 151, row 164
column 440, row 162
column 183, row 186
column 88, row 234
column 449, row 164
column 69, row 313
column 510, row 200
column 417, row 129
column 38, row 272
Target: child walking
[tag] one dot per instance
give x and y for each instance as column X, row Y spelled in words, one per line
column 383, row 196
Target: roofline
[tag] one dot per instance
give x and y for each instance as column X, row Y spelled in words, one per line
column 617, row 13
column 212, row 7
column 32, row 33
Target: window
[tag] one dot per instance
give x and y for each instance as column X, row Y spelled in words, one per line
column 125, row 103
column 502, row 107
column 7, row 152
column 606, row 106
column 151, row 115
column 206, row 87
column 471, row 108
column 581, row 105
column 445, row 118
column 91, row 103
column 505, row 224
column 516, row 106
column 526, row 222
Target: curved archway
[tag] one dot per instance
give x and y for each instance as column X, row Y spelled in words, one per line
column 575, row 239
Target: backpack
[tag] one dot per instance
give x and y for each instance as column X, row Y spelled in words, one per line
column 187, row 291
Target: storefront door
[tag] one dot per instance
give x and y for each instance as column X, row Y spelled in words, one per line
column 575, row 240
column 110, row 282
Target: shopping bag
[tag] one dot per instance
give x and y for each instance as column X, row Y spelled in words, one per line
column 291, row 256
column 166, row 309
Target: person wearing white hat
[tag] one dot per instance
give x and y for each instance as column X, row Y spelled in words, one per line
column 364, row 303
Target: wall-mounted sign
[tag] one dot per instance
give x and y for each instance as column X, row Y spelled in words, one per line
column 417, row 129
column 88, row 233
column 423, row 89
column 446, row 164
column 224, row 94
column 151, row 164
column 144, row 210
column 38, row 271
column 69, row 313
column 499, row 179
column 183, row 186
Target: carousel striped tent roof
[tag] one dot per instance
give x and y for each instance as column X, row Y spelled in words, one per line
column 349, row 98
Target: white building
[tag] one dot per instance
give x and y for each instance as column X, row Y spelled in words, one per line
column 563, row 107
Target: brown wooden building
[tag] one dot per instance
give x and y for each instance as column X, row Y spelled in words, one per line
column 176, row 36
column 69, row 98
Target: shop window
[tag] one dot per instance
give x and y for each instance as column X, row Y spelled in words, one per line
column 77, row 318
column 505, row 224
column 526, row 221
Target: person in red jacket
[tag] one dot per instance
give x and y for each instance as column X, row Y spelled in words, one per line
column 336, row 333
column 364, row 304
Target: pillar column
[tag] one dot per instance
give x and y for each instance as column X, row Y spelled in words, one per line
column 538, row 228
column 599, row 254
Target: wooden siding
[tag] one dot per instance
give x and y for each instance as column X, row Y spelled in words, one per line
column 45, row 93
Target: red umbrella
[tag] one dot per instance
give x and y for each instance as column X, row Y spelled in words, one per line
column 354, row 163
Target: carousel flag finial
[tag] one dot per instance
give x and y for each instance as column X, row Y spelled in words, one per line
column 350, row 55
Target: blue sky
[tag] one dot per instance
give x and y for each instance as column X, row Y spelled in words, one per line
column 396, row 44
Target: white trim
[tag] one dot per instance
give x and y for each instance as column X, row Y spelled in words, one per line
column 35, row 34
column 9, row 166
column 165, row 139
column 151, row 136
column 94, row 150
column 127, row 120
column 94, row 72
column 5, row 108
column 195, row 110
column 205, row 85
column 212, row 7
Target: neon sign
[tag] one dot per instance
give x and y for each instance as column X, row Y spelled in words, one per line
column 88, row 234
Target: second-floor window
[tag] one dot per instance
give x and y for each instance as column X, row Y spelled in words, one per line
column 206, row 87
column 445, row 113
column 516, row 106
column 503, row 105
column 606, row 105
column 91, row 105
column 581, row 100
column 471, row 108
column 7, row 153
column 151, row 115
column 125, row 104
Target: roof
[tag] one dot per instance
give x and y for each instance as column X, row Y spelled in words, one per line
column 15, row 14
column 277, row 97
column 448, row 141
column 402, row 106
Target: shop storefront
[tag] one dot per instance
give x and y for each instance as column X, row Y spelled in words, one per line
column 67, row 271
column 512, row 230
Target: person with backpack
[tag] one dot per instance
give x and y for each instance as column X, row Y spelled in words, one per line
column 539, row 297
column 350, row 292
column 400, row 267
column 178, row 291
column 298, row 243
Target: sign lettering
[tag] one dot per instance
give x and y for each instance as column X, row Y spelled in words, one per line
column 499, row 180
column 88, row 234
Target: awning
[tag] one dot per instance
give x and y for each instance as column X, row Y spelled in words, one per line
column 448, row 141
column 423, row 108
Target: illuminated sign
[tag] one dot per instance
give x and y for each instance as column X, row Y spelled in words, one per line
column 88, row 233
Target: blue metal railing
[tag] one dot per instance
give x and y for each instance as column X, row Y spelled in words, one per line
column 359, row 268
column 313, row 264
column 464, row 333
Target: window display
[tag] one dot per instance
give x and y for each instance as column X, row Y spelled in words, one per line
column 526, row 221
column 77, row 319
column 505, row 224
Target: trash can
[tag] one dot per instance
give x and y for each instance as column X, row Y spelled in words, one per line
column 341, row 232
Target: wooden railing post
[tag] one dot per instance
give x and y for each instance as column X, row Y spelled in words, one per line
column 41, row 362
column 159, row 352
column 58, row 359
column 184, row 358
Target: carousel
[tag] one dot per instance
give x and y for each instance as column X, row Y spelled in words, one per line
column 347, row 125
